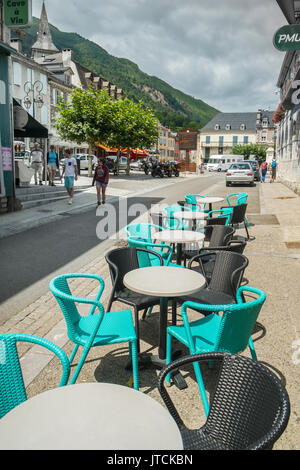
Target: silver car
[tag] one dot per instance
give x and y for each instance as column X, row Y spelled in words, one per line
column 241, row 172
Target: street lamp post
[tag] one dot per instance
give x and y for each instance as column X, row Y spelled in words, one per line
column 34, row 98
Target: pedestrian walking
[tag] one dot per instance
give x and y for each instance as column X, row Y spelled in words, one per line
column 53, row 164
column 273, row 169
column 101, row 177
column 70, row 173
column 37, row 158
column 263, row 171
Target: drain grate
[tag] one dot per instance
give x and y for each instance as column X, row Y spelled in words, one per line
column 265, row 219
column 44, row 210
column 292, row 244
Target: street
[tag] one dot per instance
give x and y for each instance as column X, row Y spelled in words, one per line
column 31, row 258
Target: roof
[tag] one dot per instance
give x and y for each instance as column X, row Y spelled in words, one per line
column 234, row 119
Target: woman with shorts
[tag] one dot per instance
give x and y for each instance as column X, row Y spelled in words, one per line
column 101, row 177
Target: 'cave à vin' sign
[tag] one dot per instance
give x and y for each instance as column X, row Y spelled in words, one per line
column 17, row 13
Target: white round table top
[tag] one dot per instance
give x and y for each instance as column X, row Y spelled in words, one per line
column 209, row 199
column 179, row 236
column 164, row 281
column 191, row 215
column 90, row 416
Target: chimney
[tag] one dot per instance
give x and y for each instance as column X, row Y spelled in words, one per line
column 16, row 44
column 67, row 56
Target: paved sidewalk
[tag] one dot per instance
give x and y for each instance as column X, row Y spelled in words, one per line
column 273, row 266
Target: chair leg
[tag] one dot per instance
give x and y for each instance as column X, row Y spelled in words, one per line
column 134, row 359
column 80, row 364
column 137, row 327
column 174, row 311
column 201, row 387
column 168, row 356
column 248, row 225
column 252, row 350
column 73, row 353
column 246, row 228
column 144, row 314
column 110, row 302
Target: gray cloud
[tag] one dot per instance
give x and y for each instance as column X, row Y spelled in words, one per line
column 215, row 50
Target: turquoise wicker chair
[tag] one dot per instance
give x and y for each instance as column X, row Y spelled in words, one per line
column 192, row 200
column 173, row 223
column 224, row 215
column 94, row 329
column 230, row 332
column 12, row 388
column 139, row 236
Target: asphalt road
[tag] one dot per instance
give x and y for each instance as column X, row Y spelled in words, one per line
column 31, row 258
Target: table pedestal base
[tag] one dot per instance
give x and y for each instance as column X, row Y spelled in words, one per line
column 146, row 360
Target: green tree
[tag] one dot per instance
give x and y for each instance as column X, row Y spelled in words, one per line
column 133, row 125
column 87, row 118
column 248, row 150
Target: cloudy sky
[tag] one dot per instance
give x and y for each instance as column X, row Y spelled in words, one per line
column 220, row 51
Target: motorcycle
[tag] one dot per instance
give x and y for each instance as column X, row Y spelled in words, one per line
column 157, row 170
column 146, row 168
column 167, row 169
column 175, row 169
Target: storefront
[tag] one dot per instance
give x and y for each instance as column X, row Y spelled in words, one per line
column 7, row 190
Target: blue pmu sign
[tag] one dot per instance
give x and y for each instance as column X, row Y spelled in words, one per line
column 287, row 38
column 17, row 13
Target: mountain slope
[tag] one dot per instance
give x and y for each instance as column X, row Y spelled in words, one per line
column 172, row 107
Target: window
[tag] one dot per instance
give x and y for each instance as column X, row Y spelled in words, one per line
column 43, row 80
column 220, row 150
column 242, row 127
column 44, row 115
column 234, row 140
column 228, row 127
column 217, row 127
column 265, row 122
column 208, row 139
column 17, row 73
column 207, row 152
column 264, row 136
column 246, row 139
column 221, row 140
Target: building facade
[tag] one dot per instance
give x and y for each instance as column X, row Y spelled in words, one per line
column 287, row 115
column 226, row 130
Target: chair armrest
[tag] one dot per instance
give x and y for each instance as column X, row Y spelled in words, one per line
column 240, row 297
column 51, row 347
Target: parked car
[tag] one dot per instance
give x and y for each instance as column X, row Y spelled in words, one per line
column 240, row 172
column 255, row 167
column 111, row 161
column 136, row 165
column 84, row 160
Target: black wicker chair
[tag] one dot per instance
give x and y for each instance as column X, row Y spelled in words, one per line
column 121, row 261
column 249, row 410
column 239, row 217
column 216, row 236
column 224, row 280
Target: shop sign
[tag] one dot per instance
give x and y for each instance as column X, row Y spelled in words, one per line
column 188, row 140
column 18, row 13
column 6, row 159
column 287, row 38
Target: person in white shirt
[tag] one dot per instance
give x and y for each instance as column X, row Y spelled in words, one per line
column 37, row 158
column 70, row 173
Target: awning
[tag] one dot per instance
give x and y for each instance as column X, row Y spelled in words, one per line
column 32, row 129
column 6, row 48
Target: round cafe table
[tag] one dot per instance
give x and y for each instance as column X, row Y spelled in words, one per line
column 193, row 216
column 164, row 282
column 210, row 200
column 90, row 416
column 179, row 237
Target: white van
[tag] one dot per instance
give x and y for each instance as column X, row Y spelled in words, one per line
column 222, row 162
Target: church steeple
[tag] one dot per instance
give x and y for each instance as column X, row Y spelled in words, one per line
column 44, row 44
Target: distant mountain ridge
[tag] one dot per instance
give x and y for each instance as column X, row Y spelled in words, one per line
column 172, row 107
